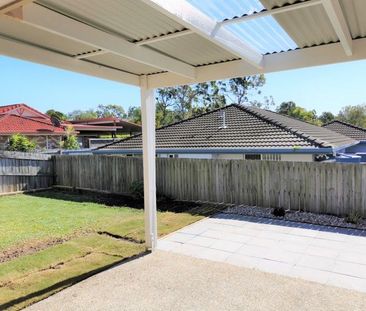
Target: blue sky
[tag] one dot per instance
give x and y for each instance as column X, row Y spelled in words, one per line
column 325, row 88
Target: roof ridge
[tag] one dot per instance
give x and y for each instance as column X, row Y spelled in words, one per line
column 345, row 123
column 277, row 123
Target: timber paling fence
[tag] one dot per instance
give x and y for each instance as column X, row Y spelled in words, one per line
column 332, row 188
column 24, row 172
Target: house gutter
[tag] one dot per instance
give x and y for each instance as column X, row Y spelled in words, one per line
column 221, row 150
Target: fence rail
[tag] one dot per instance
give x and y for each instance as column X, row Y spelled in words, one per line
column 24, row 172
column 331, row 188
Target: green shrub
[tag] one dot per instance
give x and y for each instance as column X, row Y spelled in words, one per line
column 70, row 142
column 354, row 217
column 137, row 189
column 21, row 143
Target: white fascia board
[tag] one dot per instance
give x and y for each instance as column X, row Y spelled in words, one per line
column 303, row 58
column 192, row 18
column 59, row 24
column 24, row 51
column 339, row 23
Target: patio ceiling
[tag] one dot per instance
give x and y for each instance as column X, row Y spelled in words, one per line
column 176, row 42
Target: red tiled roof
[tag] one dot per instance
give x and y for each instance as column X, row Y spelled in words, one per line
column 6, row 109
column 11, row 124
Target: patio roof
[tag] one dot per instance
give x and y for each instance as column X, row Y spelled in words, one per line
column 175, row 42
column 158, row 43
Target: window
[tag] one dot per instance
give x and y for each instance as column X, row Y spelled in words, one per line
column 252, row 157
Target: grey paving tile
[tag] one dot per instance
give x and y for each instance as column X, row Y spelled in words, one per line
column 272, row 266
column 349, row 282
column 216, row 234
column 201, row 241
column 322, row 252
column 166, row 245
column 243, row 261
column 194, row 229
column 253, row 250
column 310, row 274
column 262, row 242
column 303, row 232
column 227, row 246
column 352, row 256
column 283, row 256
column 293, row 246
column 316, row 262
column 213, row 254
column 180, row 237
column 351, row 269
column 338, row 245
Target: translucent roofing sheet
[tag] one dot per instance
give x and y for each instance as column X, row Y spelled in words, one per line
column 263, row 33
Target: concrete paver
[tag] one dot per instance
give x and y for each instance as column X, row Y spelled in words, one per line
column 322, row 254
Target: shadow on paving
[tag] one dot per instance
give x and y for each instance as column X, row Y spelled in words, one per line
column 291, row 223
column 164, row 204
column 68, row 282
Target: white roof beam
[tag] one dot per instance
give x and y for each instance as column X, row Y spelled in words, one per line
column 165, row 37
column 21, row 50
column 192, row 18
column 275, row 11
column 59, row 24
column 309, row 57
column 335, row 14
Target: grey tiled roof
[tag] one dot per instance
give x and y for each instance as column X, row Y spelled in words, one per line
column 352, row 131
column 247, row 127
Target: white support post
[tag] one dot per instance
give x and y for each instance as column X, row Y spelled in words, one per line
column 148, row 143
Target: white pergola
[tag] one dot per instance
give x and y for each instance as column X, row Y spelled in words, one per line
column 159, row 43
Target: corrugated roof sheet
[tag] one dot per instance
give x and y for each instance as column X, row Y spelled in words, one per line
column 247, row 127
column 131, row 19
column 347, row 129
column 193, row 49
column 306, row 26
column 354, row 12
column 119, row 62
column 39, row 37
column 264, row 33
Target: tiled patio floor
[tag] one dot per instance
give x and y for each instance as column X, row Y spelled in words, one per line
column 322, row 254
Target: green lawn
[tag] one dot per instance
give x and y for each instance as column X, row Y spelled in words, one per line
column 50, row 241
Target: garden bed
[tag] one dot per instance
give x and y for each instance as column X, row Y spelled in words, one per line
column 296, row 216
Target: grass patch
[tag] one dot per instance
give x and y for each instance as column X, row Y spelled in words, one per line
column 51, row 241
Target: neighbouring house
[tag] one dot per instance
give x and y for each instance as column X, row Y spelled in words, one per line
column 352, row 131
column 22, row 119
column 98, row 132
column 47, row 132
column 240, row 132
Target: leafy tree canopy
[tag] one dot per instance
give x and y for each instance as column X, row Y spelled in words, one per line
column 355, row 115
column 57, row 114
column 82, row 114
column 326, row 117
column 105, row 111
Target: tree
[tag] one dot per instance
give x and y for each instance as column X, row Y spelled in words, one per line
column 105, row 111
column 242, row 88
column 291, row 109
column 286, row 107
column 70, row 142
column 134, row 114
column 82, row 114
column 56, row 114
column 355, row 115
column 326, row 117
column 21, row 143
